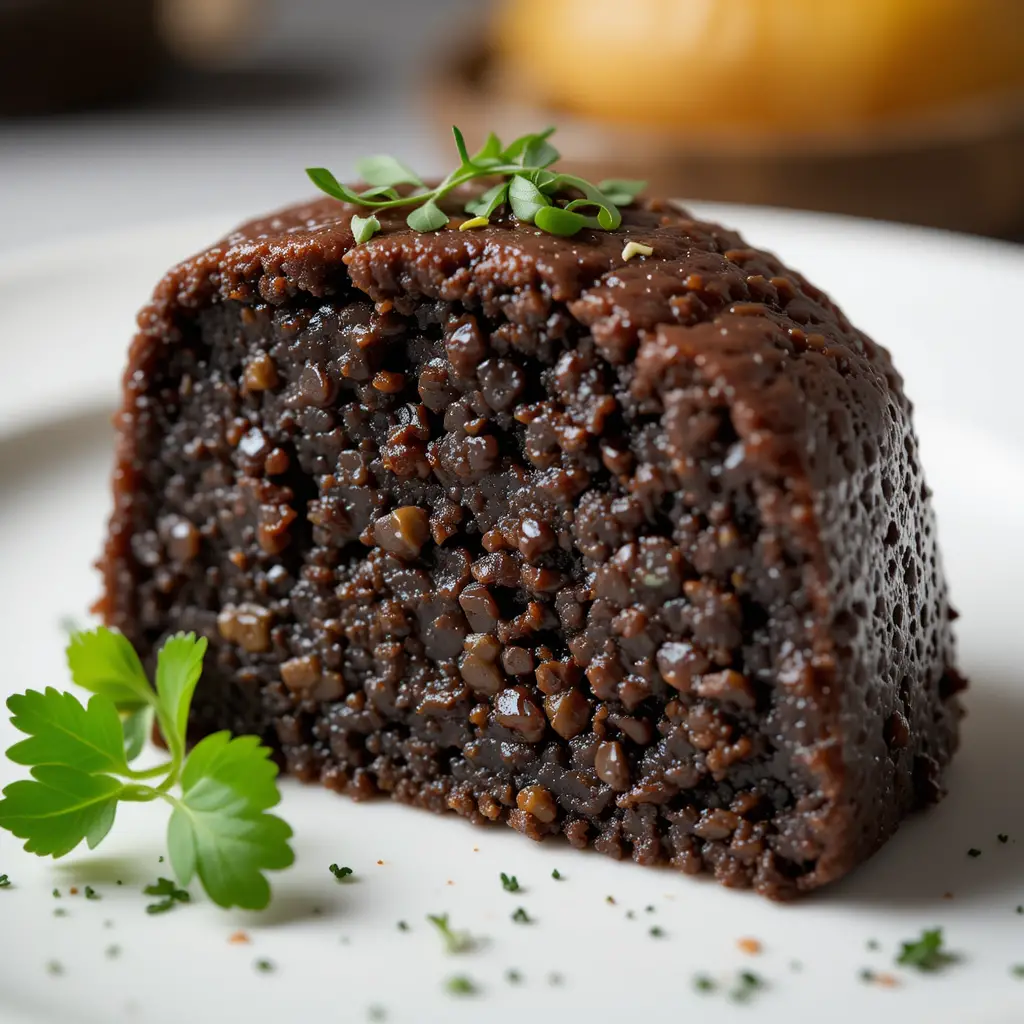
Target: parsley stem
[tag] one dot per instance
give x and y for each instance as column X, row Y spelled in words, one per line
column 150, row 773
column 138, row 794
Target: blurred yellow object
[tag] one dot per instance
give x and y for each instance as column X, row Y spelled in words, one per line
column 801, row 66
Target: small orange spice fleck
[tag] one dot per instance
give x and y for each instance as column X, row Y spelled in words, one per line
column 73, row 890
column 237, row 938
column 887, row 980
column 380, row 862
column 750, row 946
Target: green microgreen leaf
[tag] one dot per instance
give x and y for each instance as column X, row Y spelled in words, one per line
column 58, row 808
column 526, row 198
column 514, row 151
column 104, row 662
column 557, row 221
column 538, row 152
column 220, row 829
column 326, row 182
column 460, row 985
column 364, row 228
column 489, row 201
column 428, row 217
column 460, row 145
column 489, row 153
column 386, row 170
column 62, row 731
column 621, row 191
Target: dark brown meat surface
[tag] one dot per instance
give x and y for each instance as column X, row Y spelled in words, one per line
column 498, row 522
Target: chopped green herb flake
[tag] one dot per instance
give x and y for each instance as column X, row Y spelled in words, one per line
column 536, row 195
column 649, row 908
column 454, row 942
column 1020, row 909
column 5, row 882
column 56, row 894
column 264, row 966
column 1003, row 837
column 513, row 977
column 376, row 1013
column 521, row 917
column 460, row 985
column 1017, row 970
column 795, row 965
column 403, row 926
column 59, row 912
column 554, row 978
column 340, row 873
column 747, row 985
column 974, row 852
column 609, row 899
column 556, row 875
column 113, row 952
column 873, row 944
column 657, row 932
column 704, row 983
column 509, row 882
column 866, row 974
column 91, row 893
column 925, row 953
column 630, row 915
column 54, row 967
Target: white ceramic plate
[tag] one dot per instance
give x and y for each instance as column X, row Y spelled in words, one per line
column 945, row 305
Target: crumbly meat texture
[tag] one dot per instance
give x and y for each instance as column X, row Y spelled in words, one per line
column 637, row 551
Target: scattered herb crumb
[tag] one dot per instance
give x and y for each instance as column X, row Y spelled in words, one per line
column 521, row 916
column 657, row 932
column 1003, row 837
column 704, row 983
column 56, row 894
column 377, row 1013
column 925, row 953
column 5, row 882
column 609, row 899
column 867, row 975
column 747, row 985
column 554, row 978
column 649, row 908
column 974, row 852
column 264, row 966
column 795, row 965
column 170, row 895
column 509, row 882
column 557, row 875
column 59, row 912
column 460, row 985
column 873, row 944
column 1020, row 909
column 160, row 859
column 454, row 942
column 119, row 882
column 113, row 952
column 238, row 938
column 630, row 915
column 403, row 926
column 91, row 893
column 340, row 873
column 108, row 924
column 1017, row 970
column 752, row 947
column 513, row 977
column 54, row 967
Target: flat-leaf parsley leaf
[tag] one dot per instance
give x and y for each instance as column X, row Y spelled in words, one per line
column 79, row 762
column 925, row 953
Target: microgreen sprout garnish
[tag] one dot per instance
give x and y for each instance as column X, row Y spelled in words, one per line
column 340, row 873
column 509, row 882
column 169, row 894
column 454, row 942
column 560, row 204
column 925, row 953
column 80, row 762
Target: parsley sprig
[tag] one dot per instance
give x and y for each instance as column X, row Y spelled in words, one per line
column 560, row 204
column 80, row 762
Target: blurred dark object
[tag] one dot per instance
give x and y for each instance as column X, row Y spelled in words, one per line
column 880, row 109
column 63, row 55
column 58, row 55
